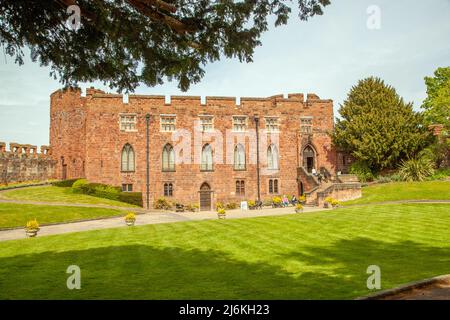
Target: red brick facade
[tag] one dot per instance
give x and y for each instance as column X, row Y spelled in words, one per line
column 87, row 141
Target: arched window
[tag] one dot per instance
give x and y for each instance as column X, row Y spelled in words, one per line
column 168, row 158
column 272, row 157
column 207, row 158
column 168, row 189
column 127, row 158
column 240, row 188
column 239, row 157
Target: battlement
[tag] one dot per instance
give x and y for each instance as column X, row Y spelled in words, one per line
column 93, row 93
column 25, row 149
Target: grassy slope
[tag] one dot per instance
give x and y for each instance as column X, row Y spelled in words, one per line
column 58, row 194
column 17, row 215
column 428, row 190
column 311, row 256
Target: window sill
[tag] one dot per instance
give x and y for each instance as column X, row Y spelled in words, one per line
column 166, row 170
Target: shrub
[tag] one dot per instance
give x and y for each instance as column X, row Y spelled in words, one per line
column 440, row 174
column 231, row 206
column 362, row 171
column 384, row 179
column 221, row 211
column 267, row 202
column 335, row 203
column 65, row 183
column 277, row 200
column 396, row 177
column 416, row 169
column 219, row 205
column 329, row 200
column 76, row 186
column 130, row 217
column 192, row 207
column 32, row 225
column 163, row 204
column 131, row 198
column 251, row 203
column 100, row 190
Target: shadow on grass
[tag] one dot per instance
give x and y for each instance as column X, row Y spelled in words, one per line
column 146, row 272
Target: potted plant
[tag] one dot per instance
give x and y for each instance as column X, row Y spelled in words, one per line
column 221, row 213
column 32, row 228
column 130, row 219
column 302, row 199
column 327, row 202
column 298, row 208
column 335, row 204
column 192, row 207
column 276, row 202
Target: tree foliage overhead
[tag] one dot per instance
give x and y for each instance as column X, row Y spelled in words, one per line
column 125, row 42
column 378, row 127
column 437, row 103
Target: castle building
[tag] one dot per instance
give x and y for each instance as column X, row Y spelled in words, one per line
column 193, row 150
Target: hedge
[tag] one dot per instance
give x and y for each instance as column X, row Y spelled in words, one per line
column 64, row 183
column 101, row 190
column 131, row 197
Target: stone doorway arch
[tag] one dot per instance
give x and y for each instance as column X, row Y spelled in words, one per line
column 205, row 197
column 309, row 158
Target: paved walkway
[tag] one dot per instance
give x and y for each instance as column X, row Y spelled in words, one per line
column 148, row 218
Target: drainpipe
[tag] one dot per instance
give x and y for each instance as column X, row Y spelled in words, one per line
column 147, row 118
column 256, row 118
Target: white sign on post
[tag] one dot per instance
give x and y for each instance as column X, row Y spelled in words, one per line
column 244, row 205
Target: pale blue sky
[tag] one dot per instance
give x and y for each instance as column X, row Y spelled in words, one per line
column 326, row 55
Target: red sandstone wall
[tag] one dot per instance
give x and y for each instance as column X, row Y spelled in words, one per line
column 67, row 131
column 99, row 141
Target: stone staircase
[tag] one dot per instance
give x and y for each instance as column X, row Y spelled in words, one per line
column 311, row 196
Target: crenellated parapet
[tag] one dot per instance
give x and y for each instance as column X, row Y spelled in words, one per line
column 24, row 150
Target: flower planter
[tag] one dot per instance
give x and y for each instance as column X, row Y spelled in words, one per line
column 298, row 210
column 130, row 222
column 31, row 233
column 221, row 216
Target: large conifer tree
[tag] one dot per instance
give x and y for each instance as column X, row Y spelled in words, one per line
column 378, row 127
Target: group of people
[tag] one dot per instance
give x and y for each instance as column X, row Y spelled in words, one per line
column 285, row 201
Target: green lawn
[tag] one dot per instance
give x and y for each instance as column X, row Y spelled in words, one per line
column 321, row 255
column 17, row 215
column 58, row 194
column 394, row 191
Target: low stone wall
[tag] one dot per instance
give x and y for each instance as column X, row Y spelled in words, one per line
column 340, row 192
column 23, row 163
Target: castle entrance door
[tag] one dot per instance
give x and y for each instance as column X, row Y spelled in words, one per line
column 205, row 197
column 308, row 159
